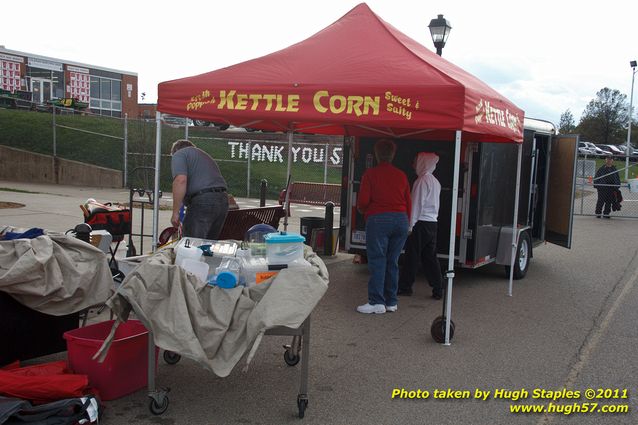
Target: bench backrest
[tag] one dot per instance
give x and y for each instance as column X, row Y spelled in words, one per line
column 315, row 193
column 239, row 221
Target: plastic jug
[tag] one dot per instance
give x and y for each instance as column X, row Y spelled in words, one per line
column 187, row 251
column 228, row 272
column 198, row 268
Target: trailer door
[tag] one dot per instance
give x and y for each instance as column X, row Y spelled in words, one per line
column 560, row 190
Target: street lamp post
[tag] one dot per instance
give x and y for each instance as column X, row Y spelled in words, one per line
column 631, row 101
column 440, row 30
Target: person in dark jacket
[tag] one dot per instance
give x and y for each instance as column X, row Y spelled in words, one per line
column 606, row 182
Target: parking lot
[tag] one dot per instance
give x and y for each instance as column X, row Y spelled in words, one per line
column 570, row 324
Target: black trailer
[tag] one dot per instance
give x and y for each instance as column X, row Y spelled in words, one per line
column 487, row 190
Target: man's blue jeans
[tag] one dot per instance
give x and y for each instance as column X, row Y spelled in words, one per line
column 205, row 215
column 385, row 236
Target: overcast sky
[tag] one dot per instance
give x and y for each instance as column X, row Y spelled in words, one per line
column 545, row 56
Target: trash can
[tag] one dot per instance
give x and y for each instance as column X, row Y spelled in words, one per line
column 307, row 225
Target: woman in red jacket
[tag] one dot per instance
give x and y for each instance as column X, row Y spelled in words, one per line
column 384, row 199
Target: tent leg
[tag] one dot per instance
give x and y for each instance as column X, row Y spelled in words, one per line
column 515, row 221
column 158, row 158
column 290, row 140
column 450, row 261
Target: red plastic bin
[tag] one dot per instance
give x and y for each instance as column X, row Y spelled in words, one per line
column 125, row 368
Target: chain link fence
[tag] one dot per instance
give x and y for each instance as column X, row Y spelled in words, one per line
column 587, row 196
column 245, row 158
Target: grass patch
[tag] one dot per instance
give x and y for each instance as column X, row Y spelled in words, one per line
column 99, row 141
column 6, row 189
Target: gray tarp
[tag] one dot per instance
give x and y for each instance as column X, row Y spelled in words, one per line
column 55, row 273
column 211, row 325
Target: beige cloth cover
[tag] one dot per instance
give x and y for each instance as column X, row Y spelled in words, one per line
column 55, row 274
column 208, row 324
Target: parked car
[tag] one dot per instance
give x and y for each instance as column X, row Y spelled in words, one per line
column 202, row 123
column 613, row 150
column 596, row 150
column 585, row 150
column 633, row 152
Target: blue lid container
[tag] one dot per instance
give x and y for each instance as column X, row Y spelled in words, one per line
column 226, row 279
column 283, row 238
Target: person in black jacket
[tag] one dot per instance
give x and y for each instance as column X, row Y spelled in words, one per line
column 606, row 182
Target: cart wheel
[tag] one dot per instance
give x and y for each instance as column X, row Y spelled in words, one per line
column 437, row 330
column 302, row 404
column 291, row 359
column 157, row 408
column 171, row 357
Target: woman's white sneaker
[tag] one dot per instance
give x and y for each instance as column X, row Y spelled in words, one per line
column 368, row 308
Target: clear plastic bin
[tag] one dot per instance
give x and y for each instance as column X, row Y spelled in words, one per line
column 283, row 248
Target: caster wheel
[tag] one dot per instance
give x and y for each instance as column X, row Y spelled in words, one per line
column 437, row 330
column 291, row 359
column 171, row 358
column 157, row 408
column 302, row 405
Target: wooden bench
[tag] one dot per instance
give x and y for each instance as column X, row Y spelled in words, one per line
column 312, row 193
column 237, row 223
column 240, row 220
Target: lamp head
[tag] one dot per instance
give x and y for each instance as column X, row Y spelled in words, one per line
column 440, row 30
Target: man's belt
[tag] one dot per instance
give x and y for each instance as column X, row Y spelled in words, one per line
column 205, row 190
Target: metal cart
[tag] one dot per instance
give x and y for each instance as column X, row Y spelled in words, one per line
column 298, row 350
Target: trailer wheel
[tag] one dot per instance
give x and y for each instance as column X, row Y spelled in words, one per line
column 523, row 256
column 437, row 330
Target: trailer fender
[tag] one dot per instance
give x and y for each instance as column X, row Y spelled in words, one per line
column 504, row 249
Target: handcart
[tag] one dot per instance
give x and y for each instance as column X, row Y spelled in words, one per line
column 115, row 219
column 298, row 350
column 219, row 350
column 141, row 192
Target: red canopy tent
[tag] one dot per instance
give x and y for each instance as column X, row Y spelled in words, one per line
column 358, row 76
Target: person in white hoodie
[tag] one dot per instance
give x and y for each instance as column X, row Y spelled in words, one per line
column 421, row 243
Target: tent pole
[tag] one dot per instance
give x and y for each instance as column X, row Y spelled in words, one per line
column 290, row 140
column 158, row 157
column 515, row 222
column 450, row 261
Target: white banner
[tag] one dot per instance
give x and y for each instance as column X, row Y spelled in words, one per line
column 77, row 69
column 45, row 64
column 6, row 57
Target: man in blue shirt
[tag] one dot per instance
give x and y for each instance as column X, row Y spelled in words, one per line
column 199, row 185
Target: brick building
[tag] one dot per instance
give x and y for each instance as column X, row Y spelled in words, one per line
column 107, row 91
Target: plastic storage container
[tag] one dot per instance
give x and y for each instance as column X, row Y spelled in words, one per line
column 283, row 248
column 198, row 268
column 250, row 267
column 125, row 368
column 187, row 251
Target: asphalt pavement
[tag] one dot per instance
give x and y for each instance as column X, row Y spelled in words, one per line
column 570, row 327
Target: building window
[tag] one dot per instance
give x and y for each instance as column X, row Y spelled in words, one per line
column 106, row 98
